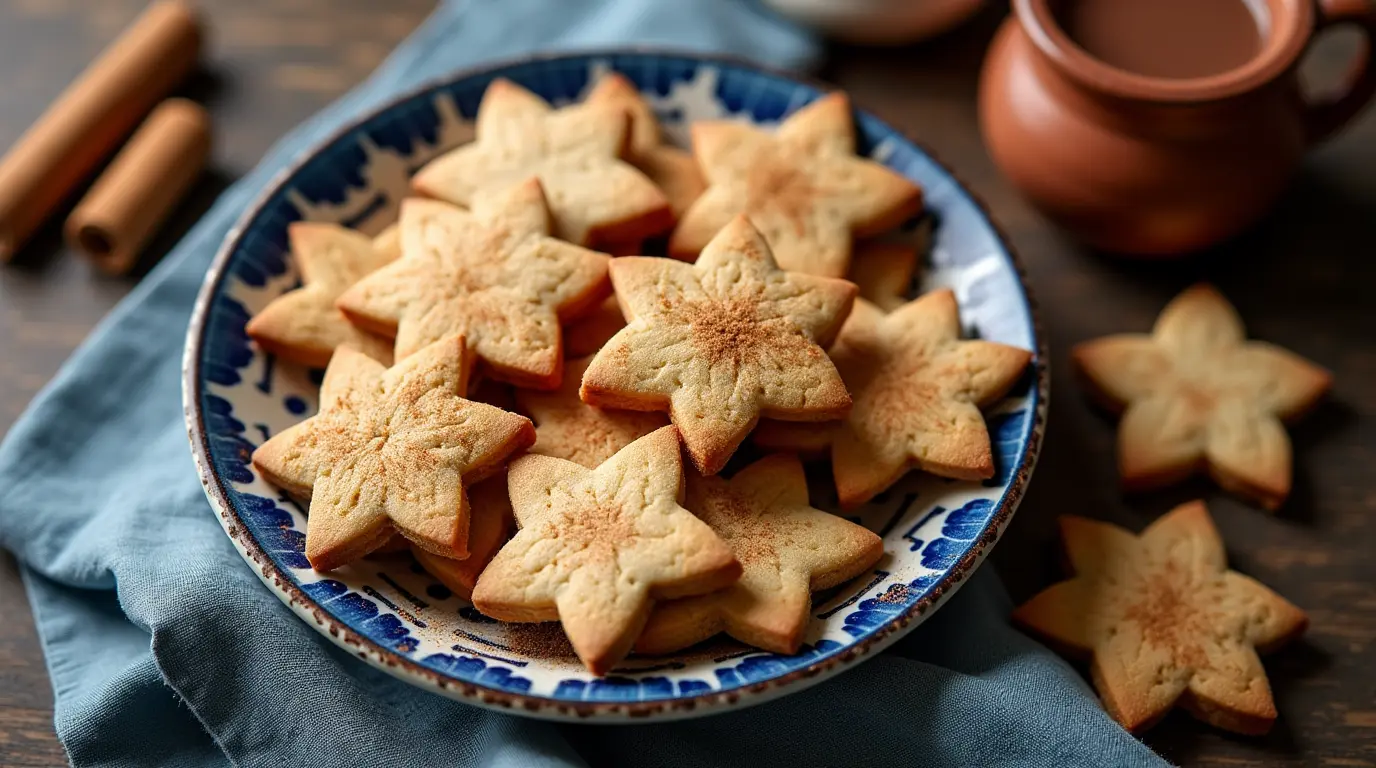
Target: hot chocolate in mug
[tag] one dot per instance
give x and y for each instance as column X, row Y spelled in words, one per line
column 1159, row 127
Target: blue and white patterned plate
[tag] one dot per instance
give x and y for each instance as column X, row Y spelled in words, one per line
column 393, row 615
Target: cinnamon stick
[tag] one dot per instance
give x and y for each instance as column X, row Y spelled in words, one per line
column 96, row 112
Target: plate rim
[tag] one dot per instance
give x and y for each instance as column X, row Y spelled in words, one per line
column 542, row 707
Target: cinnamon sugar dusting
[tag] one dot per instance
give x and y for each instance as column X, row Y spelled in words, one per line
column 729, row 330
column 779, row 186
column 597, row 529
column 740, row 522
column 1170, row 618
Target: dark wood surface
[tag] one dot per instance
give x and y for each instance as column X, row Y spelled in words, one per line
column 1303, row 279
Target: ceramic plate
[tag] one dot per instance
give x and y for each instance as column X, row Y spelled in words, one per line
column 394, row 616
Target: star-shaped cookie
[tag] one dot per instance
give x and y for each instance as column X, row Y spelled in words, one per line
column 490, row 525
column 595, row 196
column 391, row 450
column 1165, row 622
column 303, row 325
column 721, row 342
column 672, row 169
column 493, row 274
column 568, row 428
column 1196, row 395
column 802, row 186
column 918, row 392
column 787, row 550
column 597, row 547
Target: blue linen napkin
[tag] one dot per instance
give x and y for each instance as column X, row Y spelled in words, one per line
column 164, row 648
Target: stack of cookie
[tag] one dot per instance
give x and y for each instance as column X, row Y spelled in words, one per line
column 445, row 337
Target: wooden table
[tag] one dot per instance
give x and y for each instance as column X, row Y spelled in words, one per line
column 1303, row 279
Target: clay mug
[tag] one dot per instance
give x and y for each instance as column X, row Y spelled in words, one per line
column 1160, row 165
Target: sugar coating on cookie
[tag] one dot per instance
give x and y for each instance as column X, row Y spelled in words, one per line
column 721, row 342
column 303, row 325
column 595, row 196
column 803, row 186
column 493, row 274
column 1196, row 395
column 787, row 550
column 391, row 449
column 918, row 390
column 568, row 428
column 596, row 547
column 490, row 525
column 672, row 169
column 1165, row 622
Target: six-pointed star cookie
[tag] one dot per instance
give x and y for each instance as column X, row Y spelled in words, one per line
column 568, row 428
column 1165, row 622
column 391, row 450
column 494, row 275
column 1197, row 395
column 787, row 550
column 597, row 547
column 672, row 169
column 595, row 196
column 490, row 525
column 803, row 187
column 720, row 342
column 918, row 392
column 303, row 325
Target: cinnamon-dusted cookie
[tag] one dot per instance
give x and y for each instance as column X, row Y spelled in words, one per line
column 787, row 550
column 303, row 325
column 595, row 196
column 493, row 274
column 597, row 547
column 1196, row 395
column 721, row 342
column 391, row 450
column 918, row 392
column 1165, row 622
column 672, row 169
column 490, row 525
column 568, row 428
column 590, row 332
column 802, row 186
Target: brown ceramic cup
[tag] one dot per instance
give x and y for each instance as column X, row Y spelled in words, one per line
column 1160, row 166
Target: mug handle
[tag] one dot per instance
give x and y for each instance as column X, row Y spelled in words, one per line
column 1323, row 118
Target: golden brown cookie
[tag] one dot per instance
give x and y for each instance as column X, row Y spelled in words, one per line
column 303, row 325
column 787, row 550
column 568, row 428
column 490, row 525
column 595, row 196
column 802, row 186
column 493, row 274
column 388, row 242
column 810, row 440
column 391, row 450
column 1165, row 622
column 918, row 392
column 587, row 334
column 1196, row 395
column 721, row 342
column 884, row 272
column 672, row 169
column 597, row 547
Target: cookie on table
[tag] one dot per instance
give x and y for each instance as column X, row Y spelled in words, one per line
column 303, row 325
column 568, row 428
column 721, row 342
column 787, row 550
column 595, row 196
column 490, row 525
column 589, row 333
column 1164, row 622
column 1197, row 396
column 673, row 169
column 918, row 390
column 803, row 186
column 391, row 450
column 597, row 547
column 493, row 274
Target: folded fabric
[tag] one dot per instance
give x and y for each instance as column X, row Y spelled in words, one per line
column 164, row 648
